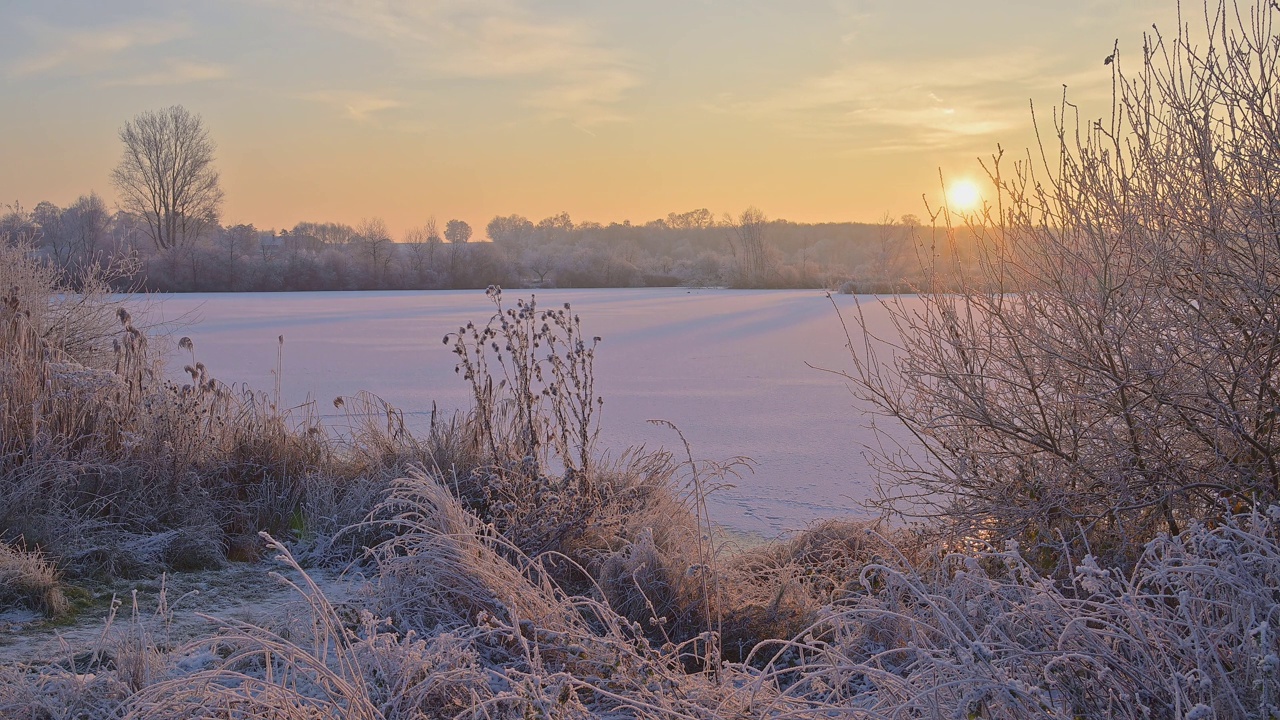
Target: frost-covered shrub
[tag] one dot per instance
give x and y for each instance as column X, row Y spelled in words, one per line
column 1107, row 370
column 460, row 623
column 986, row 635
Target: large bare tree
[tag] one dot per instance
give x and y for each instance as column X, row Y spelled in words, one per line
column 166, row 175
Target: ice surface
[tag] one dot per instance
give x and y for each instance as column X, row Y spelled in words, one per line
column 726, row 366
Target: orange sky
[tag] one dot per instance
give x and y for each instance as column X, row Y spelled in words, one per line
column 337, row 110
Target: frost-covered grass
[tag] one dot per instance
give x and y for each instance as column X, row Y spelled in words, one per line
column 463, row 624
column 30, row 580
column 516, row 573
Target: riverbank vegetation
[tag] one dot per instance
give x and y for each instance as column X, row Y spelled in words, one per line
column 1096, row 516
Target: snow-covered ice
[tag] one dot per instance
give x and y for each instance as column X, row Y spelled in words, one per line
column 730, row 368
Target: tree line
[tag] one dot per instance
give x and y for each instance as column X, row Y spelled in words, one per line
column 167, row 234
column 693, row 248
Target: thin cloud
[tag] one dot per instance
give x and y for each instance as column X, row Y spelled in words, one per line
column 584, row 101
column 178, row 72
column 85, row 51
column 921, row 104
column 358, row 106
column 570, row 74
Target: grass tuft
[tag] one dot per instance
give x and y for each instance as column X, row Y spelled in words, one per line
column 28, row 579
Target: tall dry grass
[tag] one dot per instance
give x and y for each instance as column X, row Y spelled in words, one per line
column 112, row 469
column 28, row 579
column 462, row 624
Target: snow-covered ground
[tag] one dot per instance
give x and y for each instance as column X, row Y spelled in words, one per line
column 731, row 368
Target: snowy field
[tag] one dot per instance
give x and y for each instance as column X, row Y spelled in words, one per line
column 731, row 368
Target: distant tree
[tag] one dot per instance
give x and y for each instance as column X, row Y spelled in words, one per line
column 85, row 224
column 424, row 234
column 421, row 243
column 540, row 262
column 692, row 220
column 184, row 268
column 73, row 237
column 891, row 257
column 510, row 230
column 457, row 232
column 561, row 222
column 166, row 175
column 234, row 243
column 16, row 225
column 127, row 232
column 375, row 247
column 749, row 249
column 328, row 233
column 373, row 229
column 47, row 218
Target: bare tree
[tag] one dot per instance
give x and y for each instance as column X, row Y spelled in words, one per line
column 85, row 224
column 889, row 258
column 16, row 226
column 1112, row 370
column 561, row 223
column 457, row 232
column 749, row 249
column 422, row 243
column 234, row 243
column 166, row 175
column 375, row 246
column 55, row 242
column 541, row 263
column 699, row 219
column 72, row 238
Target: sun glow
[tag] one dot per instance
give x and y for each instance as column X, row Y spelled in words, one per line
column 964, row 195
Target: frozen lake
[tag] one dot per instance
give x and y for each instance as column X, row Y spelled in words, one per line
column 729, row 367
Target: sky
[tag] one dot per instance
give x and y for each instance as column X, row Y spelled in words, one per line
column 340, row 110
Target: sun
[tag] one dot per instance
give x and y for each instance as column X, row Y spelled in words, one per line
column 964, row 195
